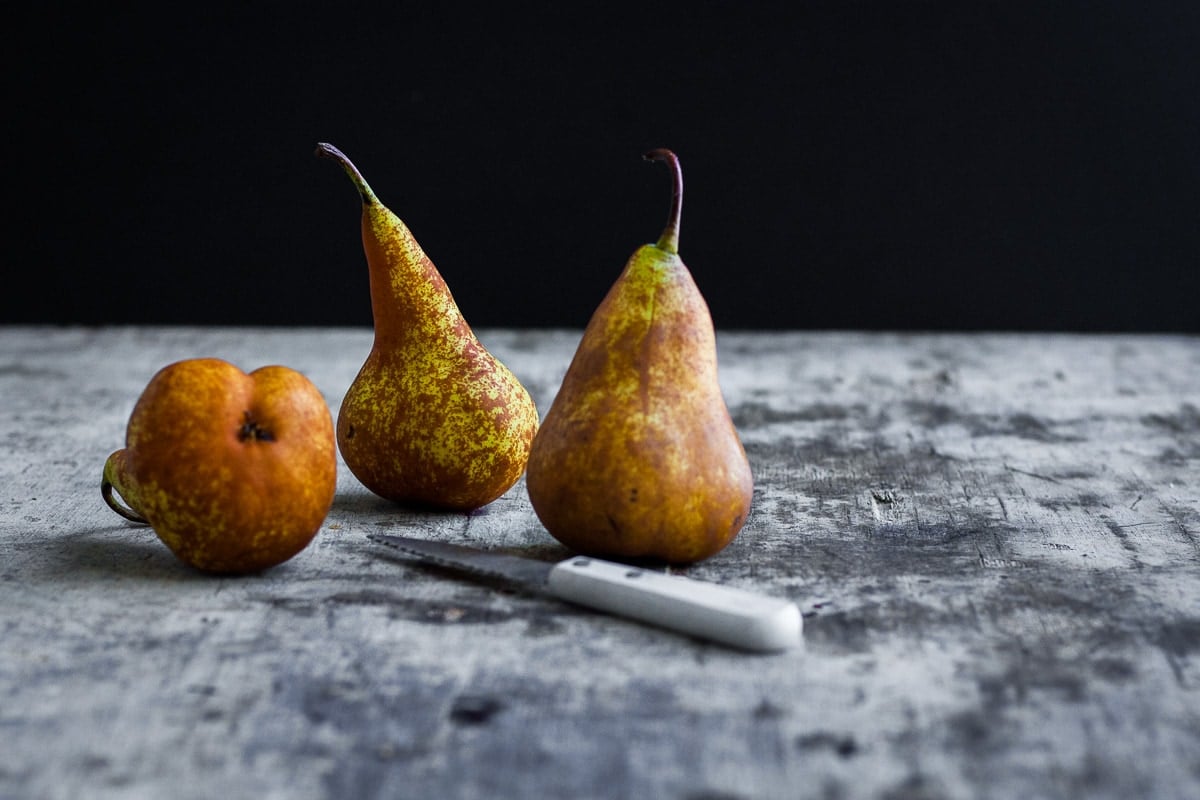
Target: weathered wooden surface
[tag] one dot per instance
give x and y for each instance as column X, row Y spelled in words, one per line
column 995, row 541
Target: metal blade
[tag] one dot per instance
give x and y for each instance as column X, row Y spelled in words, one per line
column 528, row 572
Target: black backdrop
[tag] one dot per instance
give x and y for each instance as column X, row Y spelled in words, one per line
column 881, row 165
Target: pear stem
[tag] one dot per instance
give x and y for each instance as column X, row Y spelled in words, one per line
column 107, row 486
column 669, row 240
column 326, row 150
column 106, row 490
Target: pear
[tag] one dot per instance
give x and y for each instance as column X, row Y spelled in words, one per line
column 638, row 457
column 432, row 418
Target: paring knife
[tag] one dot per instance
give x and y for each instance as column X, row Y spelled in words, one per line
column 722, row 614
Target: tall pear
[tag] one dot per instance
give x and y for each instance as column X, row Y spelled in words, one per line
column 432, row 419
column 638, row 456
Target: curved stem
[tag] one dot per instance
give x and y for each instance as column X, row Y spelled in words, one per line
column 669, row 240
column 109, row 480
column 106, row 491
column 326, row 150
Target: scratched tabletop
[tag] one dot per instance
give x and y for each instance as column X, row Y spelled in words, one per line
column 994, row 541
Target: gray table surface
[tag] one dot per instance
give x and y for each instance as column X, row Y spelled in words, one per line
column 994, row 539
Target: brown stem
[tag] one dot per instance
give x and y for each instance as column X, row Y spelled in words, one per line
column 109, row 478
column 669, row 240
column 106, row 491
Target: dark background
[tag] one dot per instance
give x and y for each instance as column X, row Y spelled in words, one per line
column 877, row 165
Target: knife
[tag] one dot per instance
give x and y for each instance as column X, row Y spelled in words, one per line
column 723, row 614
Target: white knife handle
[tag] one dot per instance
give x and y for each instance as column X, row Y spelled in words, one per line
column 707, row 610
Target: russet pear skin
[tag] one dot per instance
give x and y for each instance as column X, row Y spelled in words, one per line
column 637, row 456
column 234, row 471
column 432, row 419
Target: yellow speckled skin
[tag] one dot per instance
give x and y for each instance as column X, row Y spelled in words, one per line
column 432, row 419
column 235, row 472
column 637, row 456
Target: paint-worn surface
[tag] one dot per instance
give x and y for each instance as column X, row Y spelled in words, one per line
column 995, row 541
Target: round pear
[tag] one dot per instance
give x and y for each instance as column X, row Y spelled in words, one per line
column 235, row 472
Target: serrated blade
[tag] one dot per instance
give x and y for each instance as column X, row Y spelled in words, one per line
column 721, row 613
column 527, row 572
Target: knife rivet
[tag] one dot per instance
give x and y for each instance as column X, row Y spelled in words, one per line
column 581, row 562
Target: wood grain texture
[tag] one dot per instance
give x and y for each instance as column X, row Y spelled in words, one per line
column 995, row 540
